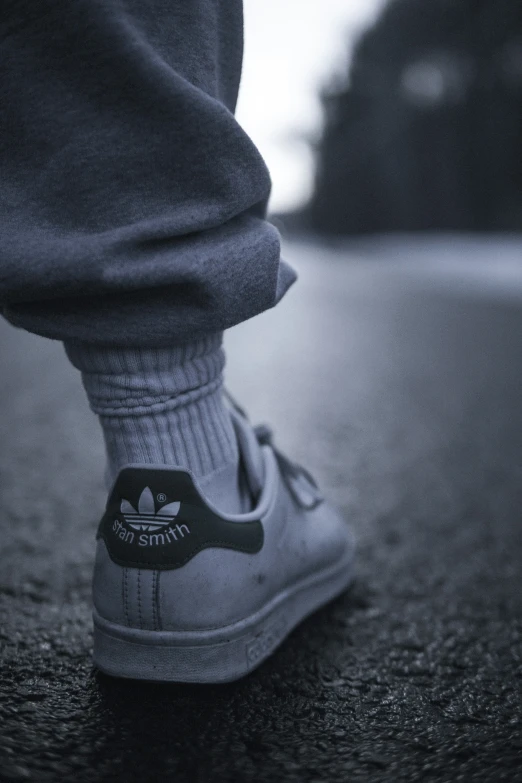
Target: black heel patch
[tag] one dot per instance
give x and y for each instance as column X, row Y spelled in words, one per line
column 157, row 519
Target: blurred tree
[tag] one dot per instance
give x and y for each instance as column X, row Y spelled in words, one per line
column 426, row 131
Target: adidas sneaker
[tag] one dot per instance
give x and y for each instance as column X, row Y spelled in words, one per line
column 185, row 593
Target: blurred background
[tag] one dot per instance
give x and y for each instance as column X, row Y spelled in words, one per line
column 379, row 116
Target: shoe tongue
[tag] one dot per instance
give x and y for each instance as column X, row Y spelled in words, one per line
column 251, row 458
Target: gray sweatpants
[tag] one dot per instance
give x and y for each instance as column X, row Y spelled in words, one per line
column 132, row 204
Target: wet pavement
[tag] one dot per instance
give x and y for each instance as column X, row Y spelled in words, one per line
column 394, row 372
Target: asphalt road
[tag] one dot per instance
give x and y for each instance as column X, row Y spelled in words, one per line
column 394, row 371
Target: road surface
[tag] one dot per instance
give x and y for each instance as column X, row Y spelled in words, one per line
column 394, row 372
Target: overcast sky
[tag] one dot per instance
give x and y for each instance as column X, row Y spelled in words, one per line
column 291, row 49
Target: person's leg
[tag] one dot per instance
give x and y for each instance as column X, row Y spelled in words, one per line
column 165, row 406
column 133, row 223
column 133, row 229
column 132, row 202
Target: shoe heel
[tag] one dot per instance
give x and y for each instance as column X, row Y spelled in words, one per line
column 172, row 657
column 218, row 655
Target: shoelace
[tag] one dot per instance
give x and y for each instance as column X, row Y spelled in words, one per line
column 265, row 437
column 291, row 472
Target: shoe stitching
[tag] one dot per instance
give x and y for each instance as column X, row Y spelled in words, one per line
column 123, row 592
column 139, row 599
column 126, row 596
column 157, row 599
column 153, row 596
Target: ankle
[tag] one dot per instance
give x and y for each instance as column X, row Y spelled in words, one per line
column 164, row 406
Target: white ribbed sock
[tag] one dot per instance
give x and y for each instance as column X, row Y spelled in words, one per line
column 165, row 406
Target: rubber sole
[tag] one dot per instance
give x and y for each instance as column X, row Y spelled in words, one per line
column 221, row 655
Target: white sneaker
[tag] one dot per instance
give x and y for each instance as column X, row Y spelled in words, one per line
column 185, row 593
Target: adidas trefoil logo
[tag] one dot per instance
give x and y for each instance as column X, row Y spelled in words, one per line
column 146, row 518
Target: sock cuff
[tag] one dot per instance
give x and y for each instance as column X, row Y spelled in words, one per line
column 91, row 358
column 139, row 381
